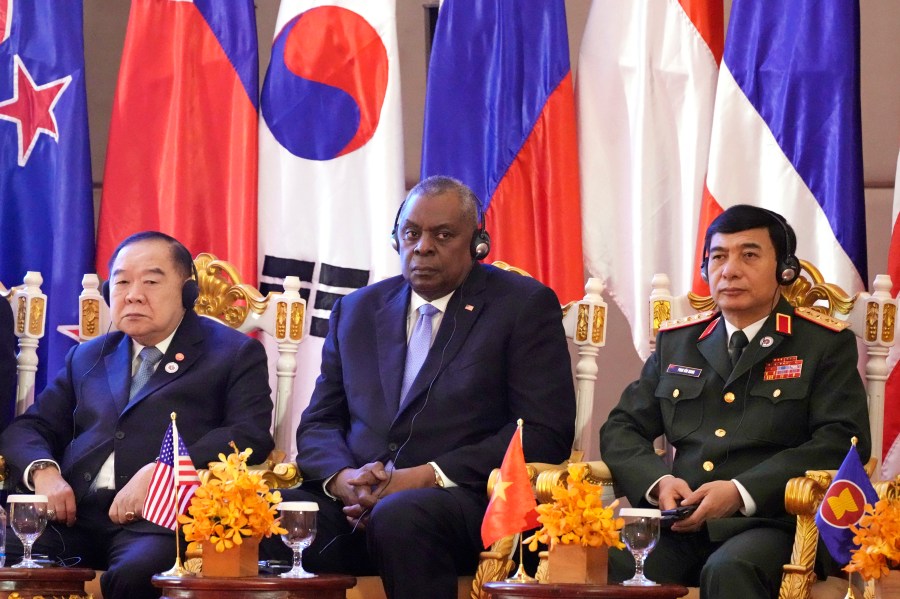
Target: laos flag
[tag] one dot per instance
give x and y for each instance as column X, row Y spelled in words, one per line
column 330, row 164
column 786, row 131
column 46, row 207
column 182, row 154
column 500, row 116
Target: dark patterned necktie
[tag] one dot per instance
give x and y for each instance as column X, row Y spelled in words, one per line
column 149, row 357
column 736, row 346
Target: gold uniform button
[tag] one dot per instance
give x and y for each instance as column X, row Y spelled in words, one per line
column 776, row 393
column 708, row 466
column 729, row 397
column 720, row 432
column 676, row 393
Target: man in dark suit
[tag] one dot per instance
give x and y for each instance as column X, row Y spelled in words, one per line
column 90, row 441
column 7, row 364
column 749, row 396
column 400, row 475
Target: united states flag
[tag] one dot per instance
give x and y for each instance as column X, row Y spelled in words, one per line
column 159, row 507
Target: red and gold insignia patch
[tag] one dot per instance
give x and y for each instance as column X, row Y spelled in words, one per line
column 788, row 367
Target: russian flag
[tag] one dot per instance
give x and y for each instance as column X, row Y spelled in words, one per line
column 646, row 88
column 47, row 209
column 787, row 132
column 500, row 116
column 182, row 154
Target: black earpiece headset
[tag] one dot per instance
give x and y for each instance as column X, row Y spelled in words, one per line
column 479, row 247
column 190, row 291
column 788, row 268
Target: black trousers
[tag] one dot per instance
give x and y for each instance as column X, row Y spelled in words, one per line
column 419, row 541
column 131, row 554
column 748, row 565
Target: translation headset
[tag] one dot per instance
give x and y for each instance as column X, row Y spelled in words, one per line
column 788, row 268
column 190, row 291
column 479, row 247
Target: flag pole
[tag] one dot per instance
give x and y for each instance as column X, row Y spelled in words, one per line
column 178, row 569
column 521, row 575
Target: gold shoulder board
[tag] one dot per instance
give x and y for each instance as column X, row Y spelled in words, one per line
column 821, row 319
column 693, row 319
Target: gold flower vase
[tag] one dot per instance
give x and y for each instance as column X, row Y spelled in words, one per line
column 240, row 561
column 577, row 563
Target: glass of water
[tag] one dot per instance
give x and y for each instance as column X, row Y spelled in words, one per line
column 298, row 518
column 28, row 518
column 640, row 534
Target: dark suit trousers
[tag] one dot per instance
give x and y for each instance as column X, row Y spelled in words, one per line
column 419, row 541
column 129, row 555
column 748, row 565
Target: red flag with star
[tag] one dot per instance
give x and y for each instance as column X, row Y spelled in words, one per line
column 512, row 506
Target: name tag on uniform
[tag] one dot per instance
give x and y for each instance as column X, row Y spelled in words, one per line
column 684, row 370
column 788, row 367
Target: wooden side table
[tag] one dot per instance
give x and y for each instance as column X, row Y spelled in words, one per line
column 510, row 590
column 323, row 586
column 46, row 582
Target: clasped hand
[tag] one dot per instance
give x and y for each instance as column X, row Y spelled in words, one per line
column 361, row 488
column 716, row 499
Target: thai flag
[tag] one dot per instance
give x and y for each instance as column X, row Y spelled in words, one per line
column 500, row 116
column 174, row 472
column 330, row 161
column 786, row 132
column 891, row 437
column 47, row 210
column 182, row 154
column 646, row 87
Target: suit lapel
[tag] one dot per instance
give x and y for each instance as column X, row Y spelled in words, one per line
column 118, row 372
column 391, row 341
column 763, row 344
column 462, row 311
column 185, row 344
column 714, row 347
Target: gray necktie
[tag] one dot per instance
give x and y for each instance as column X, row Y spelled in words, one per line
column 419, row 344
column 149, row 357
column 736, row 346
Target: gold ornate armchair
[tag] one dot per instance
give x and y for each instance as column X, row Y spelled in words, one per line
column 29, row 306
column 872, row 317
column 585, row 324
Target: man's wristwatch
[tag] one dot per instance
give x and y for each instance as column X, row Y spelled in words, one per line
column 438, row 479
column 39, row 465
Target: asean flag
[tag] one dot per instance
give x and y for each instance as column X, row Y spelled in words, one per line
column 787, row 130
column 331, row 163
column 182, row 154
column 500, row 116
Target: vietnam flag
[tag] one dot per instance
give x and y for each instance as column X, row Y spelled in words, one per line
column 182, row 156
column 512, row 506
column 500, row 117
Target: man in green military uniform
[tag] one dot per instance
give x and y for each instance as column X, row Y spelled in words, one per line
column 749, row 396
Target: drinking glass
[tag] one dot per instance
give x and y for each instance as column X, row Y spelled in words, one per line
column 640, row 534
column 28, row 517
column 298, row 518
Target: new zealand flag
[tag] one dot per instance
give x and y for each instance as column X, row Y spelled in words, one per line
column 46, row 206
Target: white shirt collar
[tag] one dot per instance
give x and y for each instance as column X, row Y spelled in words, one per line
column 750, row 330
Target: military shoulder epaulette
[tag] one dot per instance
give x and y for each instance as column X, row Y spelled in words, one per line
column 820, row 318
column 687, row 321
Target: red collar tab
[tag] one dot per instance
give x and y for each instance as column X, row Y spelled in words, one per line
column 709, row 329
column 783, row 324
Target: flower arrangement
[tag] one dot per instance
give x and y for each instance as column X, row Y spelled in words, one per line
column 577, row 515
column 232, row 503
column 878, row 537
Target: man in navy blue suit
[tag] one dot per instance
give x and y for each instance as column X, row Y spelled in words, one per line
column 91, row 438
column 398, row 455
column 7, row 365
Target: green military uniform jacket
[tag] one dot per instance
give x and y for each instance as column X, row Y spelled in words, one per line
column 791, row 404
